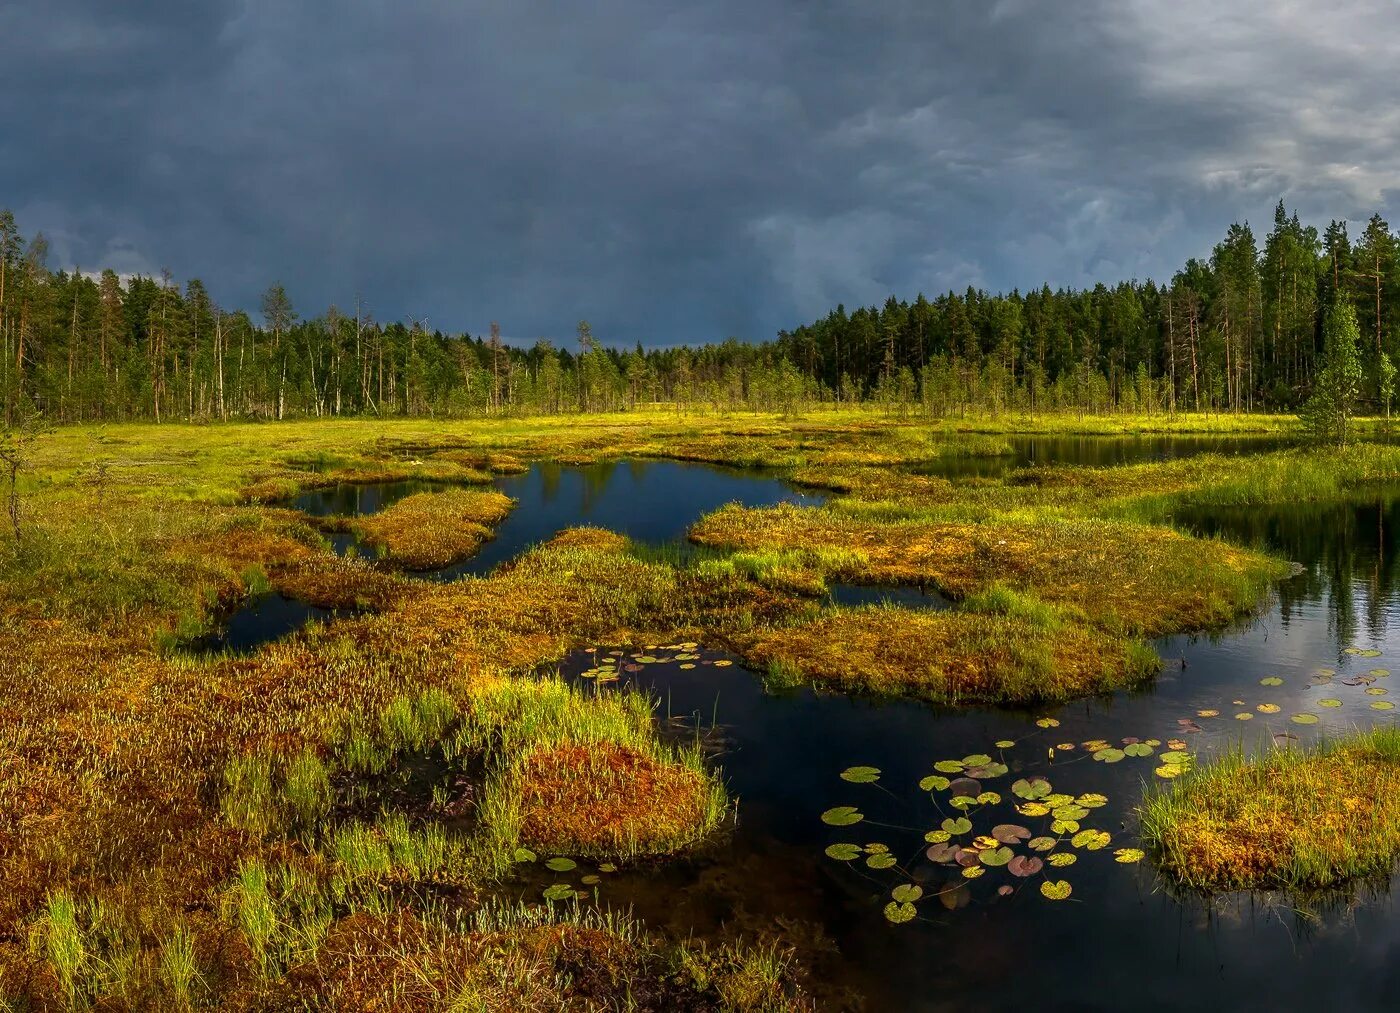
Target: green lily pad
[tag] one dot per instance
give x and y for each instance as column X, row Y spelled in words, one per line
column 1032, row 788
column 1109, row 755
column 948, row 767
column 1304, row 719
column 524, row 855
column 1041, row 843
column 842, row 816
column 1271, row 680
column 961, row 825
column 883, row 860
column 907, row 893
column 1005, row 743
column 934, row 782
column 560, row 864
column 861, row 775
column 1060, row 859
column 1055, row 890
column 995, row 857
column 1382, row 705
column 1329, row 703
column 1127, row 856
column 558, row 891
column 1138, row 749
column 899, row 913
column 843, row 852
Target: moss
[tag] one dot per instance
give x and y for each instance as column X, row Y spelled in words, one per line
column 434, row 529
column 1293, row 819
column 1134, row 579
column 604, row 799
column 948, row 657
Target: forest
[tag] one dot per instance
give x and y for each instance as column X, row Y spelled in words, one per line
column 1239, row 331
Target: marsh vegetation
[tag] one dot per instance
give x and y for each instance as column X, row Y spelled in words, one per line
column 576, row 713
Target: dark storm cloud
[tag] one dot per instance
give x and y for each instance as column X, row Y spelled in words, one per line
column 679, row 172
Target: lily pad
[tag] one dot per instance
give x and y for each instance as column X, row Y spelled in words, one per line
column 1330, row 702
column 1138, row 749
column 843, row 852
column 996, row 857
column 861, row 775
column 899, row 913
column 1127, row 856
column 1109, row 755
column 882, row 860
column 1041, row 843
column 1060, row 859
column 1031, row 788
column 524, row 855
column 907, row 893
column 1023, row 866
column 1056, row 890
column 1382, row 705
column 1271, row 680
column 558, row 891
column 1047, row 723
column 973, row 871
column 976, row 760
column 1268, row 708
column 965, row 786
column 960, row 825
column 1005, row 743
column 934, row 782
column 560, row 864
column 937, row 836
column 1304, row 719
column 943, row 853
column 842, row 816
column 1010, row 833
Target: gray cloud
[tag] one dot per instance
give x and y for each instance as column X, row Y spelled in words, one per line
column 680, row 172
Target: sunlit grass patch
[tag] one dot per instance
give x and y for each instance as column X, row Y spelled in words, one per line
column 601, row 798
column 998, row 655
column 1293, row 819
column 434, row 529
column 1133, row 579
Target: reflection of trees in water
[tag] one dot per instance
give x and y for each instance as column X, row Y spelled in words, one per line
column 1350, row 552
column 595, row 483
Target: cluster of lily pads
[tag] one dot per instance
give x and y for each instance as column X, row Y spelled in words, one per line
column 975, row 847
column 562, row 890
column 609, row 665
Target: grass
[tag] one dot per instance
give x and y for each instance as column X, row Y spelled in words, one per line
column 950, row 657
column 1124, row 578
column 430, row 530
column 1292, row 819
column 187, row 831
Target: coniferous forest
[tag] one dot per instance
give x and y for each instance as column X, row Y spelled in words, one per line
column 1238, row 331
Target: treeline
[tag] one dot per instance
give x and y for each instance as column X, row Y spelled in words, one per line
column 1237, row 332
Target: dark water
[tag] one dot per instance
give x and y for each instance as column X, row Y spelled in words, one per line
column 1100, row 452
column 654, row 502
column 264, row 618
column 1123, row 938
column 905, row 596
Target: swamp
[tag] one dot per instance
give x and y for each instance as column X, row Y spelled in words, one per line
column 697, row 712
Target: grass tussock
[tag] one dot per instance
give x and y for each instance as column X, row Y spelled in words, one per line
column 1292, row 819
column 1016, row 657
column 1132, row 579
column 430, row 530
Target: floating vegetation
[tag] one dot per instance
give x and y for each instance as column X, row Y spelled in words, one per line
column 1050, row 829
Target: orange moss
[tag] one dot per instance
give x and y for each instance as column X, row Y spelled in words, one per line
column 606, row 799
column 1292, row 819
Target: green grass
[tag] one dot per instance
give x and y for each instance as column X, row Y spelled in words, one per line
column 1291, row 819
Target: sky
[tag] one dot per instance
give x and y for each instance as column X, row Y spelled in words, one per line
column 680, row 172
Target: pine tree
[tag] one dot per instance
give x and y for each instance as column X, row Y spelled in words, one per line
column 1329, row 410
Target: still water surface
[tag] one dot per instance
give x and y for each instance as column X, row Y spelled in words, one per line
column 1121, row 940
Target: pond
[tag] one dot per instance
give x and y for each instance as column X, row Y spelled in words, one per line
column 1099, row 452
column 1121, row 938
